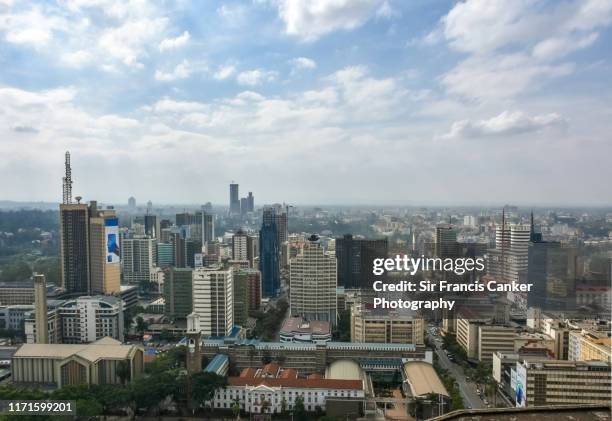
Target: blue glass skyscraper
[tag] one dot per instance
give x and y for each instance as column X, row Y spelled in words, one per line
column 269, row 253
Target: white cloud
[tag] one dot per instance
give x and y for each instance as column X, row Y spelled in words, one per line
column 513, row 46
column 167, row 105
column 299, row 63
column 505, row 124
column 31, row 27
column 77, row 59
column 127, row 42
column 224, row 72
column 310, row 20
column 499, row 76
column 256, row 77
column 180, row 71
column 172, row 43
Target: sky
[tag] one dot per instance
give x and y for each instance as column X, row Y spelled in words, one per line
column 317, row 102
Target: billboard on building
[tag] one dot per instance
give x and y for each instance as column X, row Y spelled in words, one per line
column 111, row 233
column 521, row 385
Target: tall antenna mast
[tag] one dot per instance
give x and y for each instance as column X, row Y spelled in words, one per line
column 67, row 182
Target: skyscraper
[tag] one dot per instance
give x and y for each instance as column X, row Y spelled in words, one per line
column 132, row 203
column 234, row 204
column 446, row 241
column 269, row 254
column 138, row 258
column 247, row 294
column 178, row 292
column 208, row 227
column 213, row 300
column 74, row 247
column 250, row 202
column 151, row 226
column 243, row 247
column 355, row 258
column 104, row 252
column 313, row 283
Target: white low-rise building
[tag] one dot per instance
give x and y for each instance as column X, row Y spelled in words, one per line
column 272, row 389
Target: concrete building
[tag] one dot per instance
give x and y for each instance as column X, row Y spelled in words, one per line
column 590, row 345
column 138, row 259
column 311, row 358
column 559, row 382
column 40, row 309
column 296, row 329
column 234, row 200
column 247, row 294
column 178, row 292
column 385, row 326
column 74, row 247
column 81, row 320
column 270, row 388
column 16, row 293
column 480, row 338
column 60, row 365
column 213, row 300
column 104, row 251
column 509, row 260
column 243, row 247
column 313, row 281
column 446, row 241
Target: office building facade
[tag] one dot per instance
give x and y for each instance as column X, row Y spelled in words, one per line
column 313, row 283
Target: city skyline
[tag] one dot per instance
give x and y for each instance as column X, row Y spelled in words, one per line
column 401, row 103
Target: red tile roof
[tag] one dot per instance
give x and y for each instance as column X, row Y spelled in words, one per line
column 298, row 383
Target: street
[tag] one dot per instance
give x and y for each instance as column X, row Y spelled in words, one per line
column 467, row 389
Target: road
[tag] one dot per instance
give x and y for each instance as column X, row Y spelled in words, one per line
column 467, row 389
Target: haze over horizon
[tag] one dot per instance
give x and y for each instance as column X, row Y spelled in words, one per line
column 368, row 101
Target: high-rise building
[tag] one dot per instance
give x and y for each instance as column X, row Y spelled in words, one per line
column 192, row 247
column 132, row 203
column 74, row 247
column 243, row 206
column 208, row 226
column 250, row 202
column 104, row 252
column 269, row 255
column 178, row 292
column 213, row 300
column 138, row 259
column 165, row 254
column 40, row 309
column 179, row 249
column 551, row 269
column 508, row 261
column 151, row 226
column 243, row 247
column 247, row 294
column 313, row 283
column 446, row 241
column 234, row 202
column 355, row 260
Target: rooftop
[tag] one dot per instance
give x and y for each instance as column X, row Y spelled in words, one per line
column 105, row 348
column 423, row 379
column 299, row 325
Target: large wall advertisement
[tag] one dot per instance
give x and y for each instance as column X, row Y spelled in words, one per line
column 111, row 233
column 521, row 385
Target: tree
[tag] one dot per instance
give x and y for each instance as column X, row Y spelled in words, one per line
column 141, row 325
column 298, row 409
column 204, row 385
column 123, row 371
column 236, row 408
column 15, row 271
